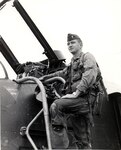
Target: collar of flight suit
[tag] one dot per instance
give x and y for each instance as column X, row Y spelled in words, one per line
column 78, row 57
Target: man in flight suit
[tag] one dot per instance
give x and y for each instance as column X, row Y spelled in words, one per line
column 80, row 75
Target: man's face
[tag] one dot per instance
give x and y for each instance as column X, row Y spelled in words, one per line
column 74, row 46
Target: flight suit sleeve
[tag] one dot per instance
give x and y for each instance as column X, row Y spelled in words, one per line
column 61, row 73
column 90, row 73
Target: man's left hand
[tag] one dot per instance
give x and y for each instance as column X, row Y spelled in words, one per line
column 73, row 95
column 69, row 96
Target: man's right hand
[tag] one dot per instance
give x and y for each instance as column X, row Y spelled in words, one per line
column 42, row 78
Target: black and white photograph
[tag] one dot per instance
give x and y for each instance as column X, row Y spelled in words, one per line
column 60, row 74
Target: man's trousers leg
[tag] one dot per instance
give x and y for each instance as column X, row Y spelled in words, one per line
column 65, row 106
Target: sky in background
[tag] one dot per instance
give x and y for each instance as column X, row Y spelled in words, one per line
column 97, row 22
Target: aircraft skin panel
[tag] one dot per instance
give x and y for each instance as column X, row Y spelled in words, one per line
column 104, row 133
column 17, row 113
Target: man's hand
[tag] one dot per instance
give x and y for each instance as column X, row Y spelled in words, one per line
column 42, row 78
column 69, row 96
column 73, row 95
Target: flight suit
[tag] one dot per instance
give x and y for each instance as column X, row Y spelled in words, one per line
column 83, row 71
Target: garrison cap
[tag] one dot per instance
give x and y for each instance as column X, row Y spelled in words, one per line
column 71, row 37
